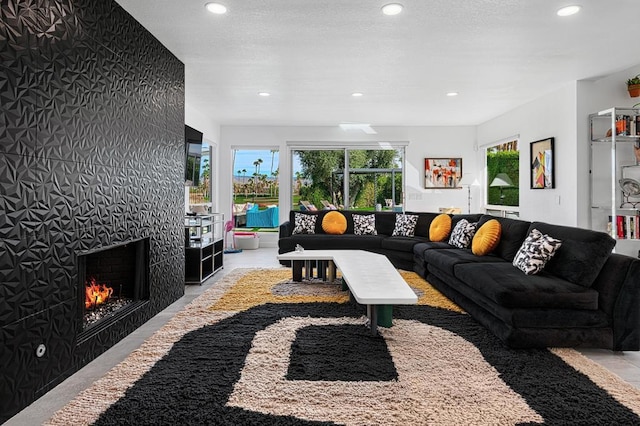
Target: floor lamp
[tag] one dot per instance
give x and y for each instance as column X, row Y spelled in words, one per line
column 469, row 185
column 502, row 181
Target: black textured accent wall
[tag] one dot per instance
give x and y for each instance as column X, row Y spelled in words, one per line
column 91, row 154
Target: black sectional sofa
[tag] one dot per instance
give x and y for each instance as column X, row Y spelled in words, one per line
column 585, row 296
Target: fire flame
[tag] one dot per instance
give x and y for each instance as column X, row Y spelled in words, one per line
column 96, row 294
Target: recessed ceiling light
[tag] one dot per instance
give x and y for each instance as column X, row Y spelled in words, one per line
column 356, row 94
column 217, row 8
column 392, row 9
column 452, row 94
column 264, row 94
column 569, row 10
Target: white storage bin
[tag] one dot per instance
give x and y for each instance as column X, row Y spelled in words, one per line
column 247, row 240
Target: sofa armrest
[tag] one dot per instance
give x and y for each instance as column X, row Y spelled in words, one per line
column 618, row 285
column 285, row 229
column 626, row 313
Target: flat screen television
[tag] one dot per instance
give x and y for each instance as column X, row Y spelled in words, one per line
column 193, row 154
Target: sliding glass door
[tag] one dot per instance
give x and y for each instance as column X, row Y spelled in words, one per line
column 315, row 183
column 344, row 178
column 255, row 187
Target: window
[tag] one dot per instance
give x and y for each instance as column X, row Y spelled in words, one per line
column 375, row 179
column 255, row 181
column 362, row 179
column 502, row 172
column 199, row 172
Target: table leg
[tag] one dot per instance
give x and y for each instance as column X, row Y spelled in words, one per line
column 385, row 315
column 373, row 319
column 332, row 271
column 344, row 287
column 322, row 270
column 296, row 266
column 307, row 270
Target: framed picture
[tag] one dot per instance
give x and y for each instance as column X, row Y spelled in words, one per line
column 542, row 167
column 442, row 172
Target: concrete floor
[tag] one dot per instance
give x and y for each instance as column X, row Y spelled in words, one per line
column 624, row 364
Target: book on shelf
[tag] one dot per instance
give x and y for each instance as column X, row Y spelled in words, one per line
column 627, row 227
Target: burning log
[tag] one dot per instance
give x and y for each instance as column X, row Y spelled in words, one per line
column 96, row 294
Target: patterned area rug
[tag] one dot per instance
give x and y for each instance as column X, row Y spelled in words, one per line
column 258, row 349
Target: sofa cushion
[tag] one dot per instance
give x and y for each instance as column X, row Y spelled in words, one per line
column 536, row 250
column 334, row 222
column 424, row 223
column 405, row 225
column 404, row 244
column 440, row 228
column 447, row 259
column 421, row 247
column 582, row 255
column 400, row 259
column 462, row 234
column 330, row 242
column 364, row 224
column 385, row 222
column 507, row 286
column 522, row 317
column 304, row 223
column 513, row 233
column 486, row 238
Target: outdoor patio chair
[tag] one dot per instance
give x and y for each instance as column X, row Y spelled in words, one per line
column 327, row 205
column 267, row 218
column 305, row 205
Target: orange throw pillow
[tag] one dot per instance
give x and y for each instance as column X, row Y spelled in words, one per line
column 486, row 238
column 334, row 223
column 440, row 227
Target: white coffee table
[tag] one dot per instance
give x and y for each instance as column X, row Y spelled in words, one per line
column 372, row 280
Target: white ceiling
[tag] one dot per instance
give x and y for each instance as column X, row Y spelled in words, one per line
column 312, row 54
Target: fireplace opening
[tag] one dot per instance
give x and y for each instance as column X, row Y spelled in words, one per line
column 112, row 282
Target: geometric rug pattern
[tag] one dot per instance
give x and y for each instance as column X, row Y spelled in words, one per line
column 312, row 362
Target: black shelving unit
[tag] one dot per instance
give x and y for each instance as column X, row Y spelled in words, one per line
column 204, row 246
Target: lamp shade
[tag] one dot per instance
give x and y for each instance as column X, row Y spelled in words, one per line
column 468, row 181
column 501, row 180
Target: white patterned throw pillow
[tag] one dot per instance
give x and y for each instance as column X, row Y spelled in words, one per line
column 304, row 223
column 364, row 224
column 462, row 234
column 536, row 250
column 405, row 225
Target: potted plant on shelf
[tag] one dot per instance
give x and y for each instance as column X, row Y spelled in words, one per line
column 633, row 86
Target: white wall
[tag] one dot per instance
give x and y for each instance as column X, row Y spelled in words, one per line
column 441, row 142
column 202, row 123
column 423, row 142
column 594, row 96
column 551, row 115
column 562, row 114
column 211, row 135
